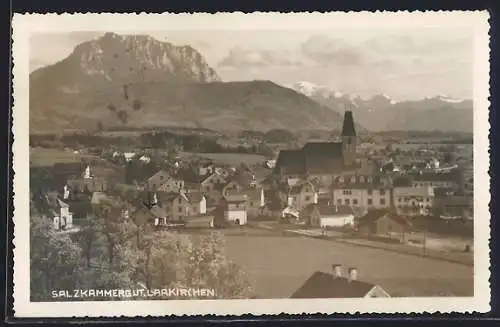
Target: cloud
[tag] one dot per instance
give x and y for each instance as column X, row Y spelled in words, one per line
column 241, row 58
column 326, row 50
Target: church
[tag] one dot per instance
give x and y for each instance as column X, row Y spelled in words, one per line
column 321, row 160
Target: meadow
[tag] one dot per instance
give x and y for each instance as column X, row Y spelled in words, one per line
column 278, row 265
column 42, row 157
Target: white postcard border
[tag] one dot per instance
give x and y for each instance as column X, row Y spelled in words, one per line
column 24, row 25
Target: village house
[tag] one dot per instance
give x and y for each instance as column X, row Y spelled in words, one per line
column 182, row 204
column 87, row 182
column 323, row 216
column 209, row 182
column 234, row 209
column 431, row 179
column 230, row 188
column 336, row 285
column 205, row 167
column 321, row 160
column 164, row 182
column 62, row 217
column 256, row 201
column 449, row 205
column 383, row 222
column 363, row 192
column 301, row 194
column 413, row 201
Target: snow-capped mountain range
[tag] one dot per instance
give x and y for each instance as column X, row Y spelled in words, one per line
column 380, row 112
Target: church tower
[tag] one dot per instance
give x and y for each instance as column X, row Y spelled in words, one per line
column 349, row 139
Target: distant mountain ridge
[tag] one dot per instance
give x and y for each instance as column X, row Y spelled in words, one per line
column 137, row 81
column 381, row 113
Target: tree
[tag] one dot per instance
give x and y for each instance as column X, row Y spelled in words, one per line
column 111, row 107
column 123, row 116
column 55, row 260
column 177, row 260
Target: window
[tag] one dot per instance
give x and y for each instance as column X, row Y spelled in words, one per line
column 427, row 199
column 361, row 179
column 370, row 191
column 382, row 192
column 339, row 201
column 161, row 177
column 346, row 201
column 355, row 201
column 353, row 179
column 306, row 189
column 251, row 203
column 237, row 205
column 370, row 202
column 399, row 199
column 179, row 201
column 382, row 201
column 308, row 198
column 180, row 209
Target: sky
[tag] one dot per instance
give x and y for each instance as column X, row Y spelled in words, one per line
column 405, row 63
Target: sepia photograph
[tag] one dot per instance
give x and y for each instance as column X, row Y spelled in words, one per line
column 251, row 163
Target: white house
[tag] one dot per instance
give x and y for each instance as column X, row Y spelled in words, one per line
column 235, row 209
column 361, row 192
column 330, row 216
column 413, row 201
column 63, row 218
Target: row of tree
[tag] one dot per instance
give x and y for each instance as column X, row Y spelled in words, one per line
column 111, row 251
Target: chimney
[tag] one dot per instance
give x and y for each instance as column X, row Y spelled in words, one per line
column 337, row 270
column 353, row 274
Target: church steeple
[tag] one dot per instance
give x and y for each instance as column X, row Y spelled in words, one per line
column 348, row 125
column 349, row 139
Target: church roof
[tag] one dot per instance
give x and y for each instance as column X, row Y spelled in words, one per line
column 348, row 125
column 323, row 149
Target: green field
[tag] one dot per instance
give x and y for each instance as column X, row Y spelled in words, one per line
column 279, row 265
column 48, row 157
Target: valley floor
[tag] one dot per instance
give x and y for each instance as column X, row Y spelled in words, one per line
column 280, row 264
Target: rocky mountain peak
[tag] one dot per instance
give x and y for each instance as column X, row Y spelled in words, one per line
column 140, row 58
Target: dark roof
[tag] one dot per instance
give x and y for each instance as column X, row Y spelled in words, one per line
column 433, row 177
column 236, row 198
column 158, row 178
column 292, row 159
column 323, row 149
column 348, row 124
column 376, row 214
column 323, row 285
column 334, row 210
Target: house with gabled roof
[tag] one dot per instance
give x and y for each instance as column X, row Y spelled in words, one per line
column 334, row 284
column 180, row 205
column 319, row 215
column 384, row 222
column 165, row 182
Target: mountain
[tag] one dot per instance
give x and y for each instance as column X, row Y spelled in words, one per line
column 137, row 81
column 381, row 113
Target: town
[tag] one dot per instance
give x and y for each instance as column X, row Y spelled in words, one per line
column 407, row 198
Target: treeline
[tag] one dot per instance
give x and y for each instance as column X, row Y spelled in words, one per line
column 153, row 140
column 111, row 251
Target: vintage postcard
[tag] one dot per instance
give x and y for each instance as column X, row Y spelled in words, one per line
column 265, row 163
